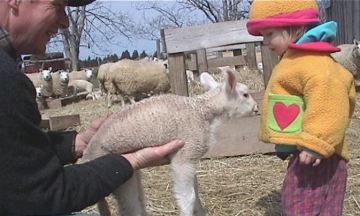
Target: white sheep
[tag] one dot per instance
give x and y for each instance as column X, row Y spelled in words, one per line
column 60, row 81
column 349, row 57
column 102, row 76
column 86, row 74
column 77, row 86
column 42, row 79
column 135, row 80
column 161, row 119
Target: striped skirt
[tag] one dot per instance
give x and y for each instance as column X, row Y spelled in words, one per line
column 310, row 191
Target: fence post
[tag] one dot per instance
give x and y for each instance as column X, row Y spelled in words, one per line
column 177, row 75
column 251, row 55
column 201, row 60
column 269, row 60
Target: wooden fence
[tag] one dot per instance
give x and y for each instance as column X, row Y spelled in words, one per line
column 200, row 39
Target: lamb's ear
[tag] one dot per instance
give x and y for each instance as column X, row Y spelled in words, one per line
column 230, row 79
column 356, row 42
column 208, row 81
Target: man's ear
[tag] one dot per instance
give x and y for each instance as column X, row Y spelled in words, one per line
column 14, row 6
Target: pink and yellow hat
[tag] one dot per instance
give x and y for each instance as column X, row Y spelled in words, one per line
column 281, row 13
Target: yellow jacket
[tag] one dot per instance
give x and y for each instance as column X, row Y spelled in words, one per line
column 308, row 103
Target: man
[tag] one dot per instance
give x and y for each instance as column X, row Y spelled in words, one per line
column 33, row 179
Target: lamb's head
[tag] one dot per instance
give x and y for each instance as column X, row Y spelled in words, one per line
column 39, row 92
column 233, row 96
column 64, row 76
column 46, row 74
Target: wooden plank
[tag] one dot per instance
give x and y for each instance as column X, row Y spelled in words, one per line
column 251, row 56
column 226, row 61
column 191, row 65
column 158, row 51
column 201, row 60
column 239, row 137
column 207, row 36
column 226, row 48
column 63, row 122
column 269, row 60
column 177, row 75
column 60, row 102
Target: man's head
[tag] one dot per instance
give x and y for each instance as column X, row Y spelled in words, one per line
column 31, row 23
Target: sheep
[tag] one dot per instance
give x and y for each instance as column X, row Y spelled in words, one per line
column 102, row 75
column 166, row 117
column 349, row 57
column 42, row 79
column 85, row 74
column 76, row 86
column 135, row 80
column 60, row 83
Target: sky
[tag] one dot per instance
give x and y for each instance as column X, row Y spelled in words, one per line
column 139, row 44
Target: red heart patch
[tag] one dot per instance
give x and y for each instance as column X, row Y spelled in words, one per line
column 285, row 115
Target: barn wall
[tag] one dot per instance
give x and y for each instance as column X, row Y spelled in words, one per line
column 347, row 14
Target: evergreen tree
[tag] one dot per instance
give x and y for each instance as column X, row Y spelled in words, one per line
column 143, row 54
column 135, row 55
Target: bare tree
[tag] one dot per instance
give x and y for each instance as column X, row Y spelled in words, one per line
column 183, row 13
column 96, row 26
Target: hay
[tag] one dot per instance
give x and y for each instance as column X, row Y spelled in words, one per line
column 236, row 186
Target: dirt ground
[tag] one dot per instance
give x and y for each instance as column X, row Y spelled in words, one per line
column 234, row 186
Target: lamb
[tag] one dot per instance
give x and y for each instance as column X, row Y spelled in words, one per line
column 76, row 86
column 135, row 80
column 349, row 57
column 60, row 83
column 163, row 118
column 43, row 79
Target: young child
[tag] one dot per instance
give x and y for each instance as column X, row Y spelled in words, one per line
column 307, row 105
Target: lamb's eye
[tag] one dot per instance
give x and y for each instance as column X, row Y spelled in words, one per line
column 246, row 95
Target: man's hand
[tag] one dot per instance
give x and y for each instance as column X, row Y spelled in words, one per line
column 153, row 156
column 82, row 139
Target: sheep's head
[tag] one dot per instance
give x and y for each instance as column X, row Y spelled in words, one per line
column 234, row 97
column 89, row 74
column 46, row 74
column 39, row 92
column 64, row 76
column 356, row 50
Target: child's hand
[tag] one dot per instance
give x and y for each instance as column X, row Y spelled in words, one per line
column 307, row 158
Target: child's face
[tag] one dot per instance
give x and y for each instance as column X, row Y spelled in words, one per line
column 277, row 39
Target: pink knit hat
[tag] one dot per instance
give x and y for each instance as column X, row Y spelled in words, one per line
column 281, row 13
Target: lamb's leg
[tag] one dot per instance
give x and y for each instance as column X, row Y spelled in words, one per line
column 185, row 189
column 130, row 197
column 198, row 209
column 104, row 208
column 108, row 99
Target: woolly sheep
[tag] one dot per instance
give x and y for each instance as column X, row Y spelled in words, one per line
column 349, row 57
column 85, row 74
column 136, row 80
column 161, row 119
column 42, row 79
column 102, row 75
column 60, row 83
column 77, row 86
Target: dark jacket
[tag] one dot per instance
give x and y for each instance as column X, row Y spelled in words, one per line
column 33, row 178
